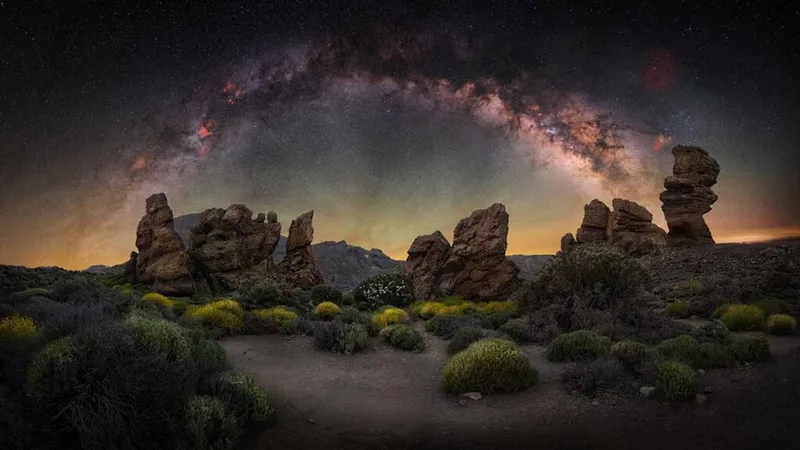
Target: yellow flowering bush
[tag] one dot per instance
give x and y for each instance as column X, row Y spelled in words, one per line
column 225, row 314
column 279, row 317
column 781, row 324
column 160, row 335
column 499, row 307
column 388, row 316
column 155, row 297
column 327, row 310
column 458, row 309
column 17, row 327
column 740, row 317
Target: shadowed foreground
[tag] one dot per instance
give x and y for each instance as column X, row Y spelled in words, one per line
column 385, row 398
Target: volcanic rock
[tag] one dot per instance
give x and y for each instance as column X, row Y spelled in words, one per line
column 230, row 247
column 163, row 260
column 476, row 267
column 298, row 267
column 688, row 196
column 568, row 242
column 129, row 269
column 630, row 227
column 426, row 256
column 595, row 223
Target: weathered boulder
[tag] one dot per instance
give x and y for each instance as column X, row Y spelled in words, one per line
column 594, row 227
column 426, row 256
column 476, row 267
column 229, row 247
column 568, row 242
column 162, row 261
column 298, row 268
column 129, row 269
column 630, row 227
column 688, row 196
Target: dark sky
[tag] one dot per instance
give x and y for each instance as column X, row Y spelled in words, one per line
column 389, row 120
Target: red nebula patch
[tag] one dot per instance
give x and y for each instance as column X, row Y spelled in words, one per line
column 203, row 151
column 229, row 87
column 660, row 142
column 661, row 71
column 204, row 132
column 139, row 163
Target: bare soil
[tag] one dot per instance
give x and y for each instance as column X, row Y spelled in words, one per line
column 385, row 398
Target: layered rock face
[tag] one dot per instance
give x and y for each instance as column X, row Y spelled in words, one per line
column 474, row 268
column 230, row 247
column 629, row 226
column 426, row 256
column 298, row 267
column 162, row 260
column 688, row 196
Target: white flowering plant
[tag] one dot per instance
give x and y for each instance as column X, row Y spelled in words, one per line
column 385, row 289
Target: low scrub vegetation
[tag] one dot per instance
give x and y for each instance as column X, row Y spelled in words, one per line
column 338, row 337
column 676, row 381
column 463, row 338
column 632, row 355
column 678, row 309
column 489, row 365
column 578, row 346
column 279, row 319
column 388, row 315
column 327, row 310
column 403, row 337
column 781, row 324
column 224, row 314
column 739, row 317
column 385, row 289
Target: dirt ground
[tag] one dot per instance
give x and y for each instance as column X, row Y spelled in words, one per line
column 385, row 398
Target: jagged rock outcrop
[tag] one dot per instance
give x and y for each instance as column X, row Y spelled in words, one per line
column 594, row 227
column 162, row 261
column 298, row 267
column 629, row 226
column 688, row 196
column 475, row 267
column 129, row 269
column 426, row 256
column 230, row 247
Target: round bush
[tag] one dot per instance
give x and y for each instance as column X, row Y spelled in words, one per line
column 781, row 324
column 463, row 338
column 325, row 293
column 327, row 310
column 403, row 337
column 223, row 314
column 279, row 319
column 681, row 348
column 430, row 309
column 209, row 424
column 16, row 327
column 339, row 337
column 159, row 335
column 489, row 365
column 517, row 329
column 209, row 356
column 388, row 316
column 631, row 354
column 715, row 332
column 384, row 289
column 351, row 314
column 678, row 309
column 720, row 310
column 676, row 381
column 740, row 317
column 772, row 306
column 577, row 346
column 751, row 349
column 266, row 292
column 445, row 326
column 59, row 355
column 252, row 404
column 499, row 307
column 158, row 299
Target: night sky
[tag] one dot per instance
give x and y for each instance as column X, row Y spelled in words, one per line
column 389, row 121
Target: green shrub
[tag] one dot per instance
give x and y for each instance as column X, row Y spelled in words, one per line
column 61, row 354
column 676, row 381
column 713, row 332
column 751, row 348
column 266, row 292
column 389, row 316
column 590, row 277
column 632, row 355
column 499, row 307
column 451, row 300
column 426, row 310
column 325, row 293
column 351, row 314
column 126, row 289
column 601, row 375
column 348, row 300
column 688, row 350
column 278, row 319
column 159, row 335
column 678, row 309
column 720, row 311
column 385, row 289
column 403, row 337
column 772, row 306
column 681, row 348
column 461, row 308
column 224, row 314
column 158, row 299
column 740, row 317
column 210, row 425
column 445, row 326
column 327, row 310
column 16, row 327
column 493, row 320
column 251, row 403
column 339, row 337
column 463, row 338
column 517, row 329
column 781, row 324
column 22, row 296
column 578, row 345
column 208, row 355
column 489, row 365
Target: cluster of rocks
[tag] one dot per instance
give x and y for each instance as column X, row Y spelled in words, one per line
column 226, row 248
column 474, row 267
column 629, row 226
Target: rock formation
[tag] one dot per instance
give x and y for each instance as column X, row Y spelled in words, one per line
column 688, row 196
column 629, row 226
column 230, row 247
column 298, row 267
column 162, row 260
column 426, row 256
column 129, row 269
column 474, row 268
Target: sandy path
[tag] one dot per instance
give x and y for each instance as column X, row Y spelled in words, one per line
column 386, row 398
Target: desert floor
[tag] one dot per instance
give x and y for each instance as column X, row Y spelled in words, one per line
column 386, row 398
